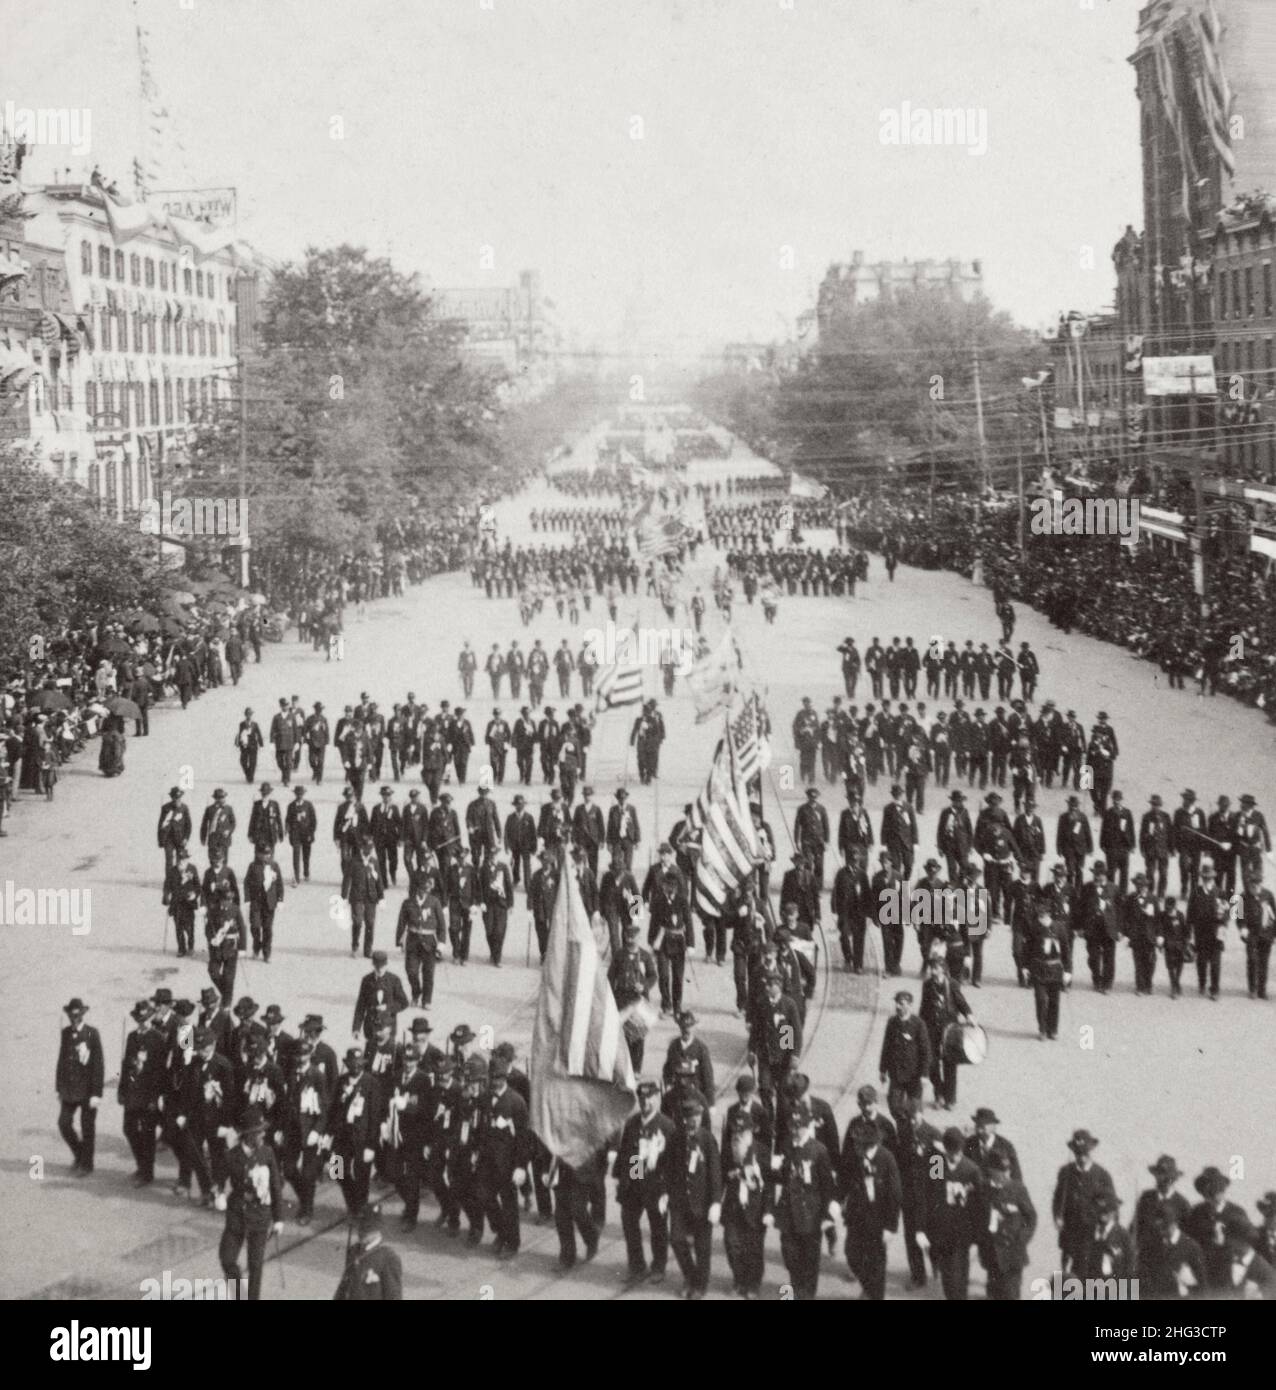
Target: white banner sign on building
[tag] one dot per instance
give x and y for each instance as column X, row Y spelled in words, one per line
column 1179, row 376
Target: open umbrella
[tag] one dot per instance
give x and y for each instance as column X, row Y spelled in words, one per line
column 143, row 622
column 48, row 700
column 115, row 646
column 170, row 627
column 125, row 709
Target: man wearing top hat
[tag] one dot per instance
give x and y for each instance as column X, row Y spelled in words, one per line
column 254, row 1209
column 1077, row 1189
column 373, row 1272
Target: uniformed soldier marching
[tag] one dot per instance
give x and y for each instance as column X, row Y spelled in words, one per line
column 373, row 1270
column 254, row 1208
column 803, row 1203
column 1007, row 1220
column 642, row 1172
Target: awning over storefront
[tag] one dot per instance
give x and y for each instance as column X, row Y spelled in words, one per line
column 1160, row 523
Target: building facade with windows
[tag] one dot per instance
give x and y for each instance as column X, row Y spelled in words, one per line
column 155, row 324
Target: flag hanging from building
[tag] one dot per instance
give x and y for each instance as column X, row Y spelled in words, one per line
column 728, row 841
column 806, row 487
column 1212, row 89
column 582, row 1078
column 618, row 685
column 715, row 678
column 1167, row 84
column 127, row 219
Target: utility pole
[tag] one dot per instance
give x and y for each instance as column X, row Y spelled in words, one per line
column 979, row 416
column 1019, row 472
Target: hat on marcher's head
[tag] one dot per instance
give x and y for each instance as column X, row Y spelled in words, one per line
column 621, row 793
column 692, row 1102
column 273, row 1014
column 174, row 791
column 866, row 1095
column 461, row 1035
column 745, row 1084
column 648, row 1088
column 1082, row 1141
column 205, row 1037
column 1154, row 800
column 903, row 996
column 369, row 1220
column 143, row 1009
column 246, row 1007
column 1059, row 867
column 1188, row 795
column 954, row 1139
column 163, row 995
column 208, row 995
column 896, row 789
column 184, row 1008
column 499, row 1069
column 985, row 1115
column 993, row 798
column 1074, row 801
column 932, row 864
column 1210, row 1182
column 421, row 1025
column 313, row 1023
column 1247, row 800
column 687, row 1019
column 956, row 796
column 379, row 958
column 1165, row 1167
column 864, row 1133
column 353, row 1054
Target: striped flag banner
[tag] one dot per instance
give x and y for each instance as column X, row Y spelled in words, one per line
column 728, row 841
column 1213, row 91
column 661, row 535
column 715, row 678
column 582, row 1078
column 618, row 685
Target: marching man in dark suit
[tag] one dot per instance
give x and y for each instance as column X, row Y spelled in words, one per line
column 248, row 740
column 265, row 824
column 811, row 832
column 300, row 823
column 951, row 1213
column 695, row 1194
column 217, row 826
column 871, row 1201
column 379, row 989
column 642, row 1170
column 283, row 735
column 803, row 1203
column 386, row 826
column 1078, row 1187
column 263, row 891
column 374, row 1272
column 173, row 832
column 80, row 1076
column 899, row 831
column 746, row 1164
column 1007, row 1220
column 141, row 1085
column 254, row 1210
column 623, row 834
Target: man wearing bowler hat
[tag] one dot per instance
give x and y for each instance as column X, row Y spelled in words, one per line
column 254, row 1208
column 623, row 834
column 1007, row 1220
column 1153, row 1204
column 80, row 1076
column 1208, row 910
column 1156, row 834
column 986, row 1143
column 173, row 833
column 1077, row 1189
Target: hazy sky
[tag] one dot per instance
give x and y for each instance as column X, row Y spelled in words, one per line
column 510, row 124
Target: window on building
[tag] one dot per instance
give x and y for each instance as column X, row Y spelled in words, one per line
column 199, row 283
column 111, row 485
column 192, row 399
column 108, row 398
column 190, row 340
column 119, row 266
column 187, row 277
column 140, row 389
column 1236, row 294
column 177, row 339
column 126, row 485
column 203, row 341
column 166, row 335
column 1250, row 305
column 86, row 258
column 153, row 392
column 1267, row 289
column 212, row 285
column 125, row 421
column 149, row 273
column 104, row 262
column 150, row 333
column 137, row 330
column 143, row 480
column 135, row 268
column 1221, row 307
column 168, row 402
column 95, row 482
column 163, row 272
column 90, row 400
column 105, row 335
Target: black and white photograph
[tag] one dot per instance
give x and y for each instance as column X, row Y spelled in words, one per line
column 638, row 662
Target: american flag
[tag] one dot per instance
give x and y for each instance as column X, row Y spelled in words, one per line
column 660, row 535
column 618, row 685
column 1212, row 89
column 728, row 841
column 746, row 739
column 581, row 1074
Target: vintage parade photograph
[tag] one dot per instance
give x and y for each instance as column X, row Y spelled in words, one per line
column 638, row 661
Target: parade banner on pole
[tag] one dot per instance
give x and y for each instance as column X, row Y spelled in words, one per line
column 582, row 1078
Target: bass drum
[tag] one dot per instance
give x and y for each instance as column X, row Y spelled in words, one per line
column 966, row 1043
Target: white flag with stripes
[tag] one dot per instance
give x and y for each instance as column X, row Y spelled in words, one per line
column 618, row 685
column 728, row 841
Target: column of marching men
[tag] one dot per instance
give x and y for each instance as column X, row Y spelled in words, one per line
column 244, row 1106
